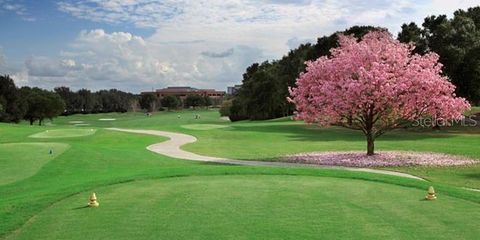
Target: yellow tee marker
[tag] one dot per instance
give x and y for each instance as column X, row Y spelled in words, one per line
column 93, row 201
column 431, row 194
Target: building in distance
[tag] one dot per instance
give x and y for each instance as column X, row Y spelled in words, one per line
column 184, row 92
column 233, row 90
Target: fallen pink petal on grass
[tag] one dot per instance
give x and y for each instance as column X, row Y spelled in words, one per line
column 380, row 159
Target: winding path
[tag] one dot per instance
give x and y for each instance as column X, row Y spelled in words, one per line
column 171, row 148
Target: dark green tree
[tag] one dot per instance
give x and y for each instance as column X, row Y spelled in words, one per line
column 469, row 76
column 265, row 86
column 456, row 41
column 13, row 105
column 208, row 101
column 171, row 102
column 148, row 101
column 194, row 101
column 87, row 100
column 70, row 98
column 411, row 33
column 225, row 108
column 84, row 101
column 113, row 100
column 41, row 104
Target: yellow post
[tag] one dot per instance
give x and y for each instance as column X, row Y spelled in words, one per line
column 431, row 194
column 93, row 201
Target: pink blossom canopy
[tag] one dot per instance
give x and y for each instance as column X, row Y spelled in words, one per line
column 377, row 79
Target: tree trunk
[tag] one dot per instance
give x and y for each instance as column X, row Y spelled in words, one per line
column 31, row 121
column 370, row 145
column 39, row 122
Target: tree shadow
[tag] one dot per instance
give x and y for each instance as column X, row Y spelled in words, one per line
column 299, row 132
column 78, row 208
column 473, row 175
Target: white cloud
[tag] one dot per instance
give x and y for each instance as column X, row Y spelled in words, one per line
column 205, row 43
column 223, row 54
column 47, row 67
column 97, row 59
column 16, row 7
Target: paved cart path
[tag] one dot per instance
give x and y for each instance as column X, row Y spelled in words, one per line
column 171, row 148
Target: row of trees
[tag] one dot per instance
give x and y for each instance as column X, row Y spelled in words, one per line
column 150, row 102
column 35, row 104
column 457, row 41
column 85, row 101
column 265, row 86
column 31, row 104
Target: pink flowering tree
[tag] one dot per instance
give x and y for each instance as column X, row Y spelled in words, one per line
column 374, row 85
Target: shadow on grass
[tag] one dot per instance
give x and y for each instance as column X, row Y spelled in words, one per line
column 78, row 208
column 218, row 164
column 473, row 175
column 300, row 132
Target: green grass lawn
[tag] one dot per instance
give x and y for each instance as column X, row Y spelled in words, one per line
column 22, row 160
column 256, row 207
column 142, row 196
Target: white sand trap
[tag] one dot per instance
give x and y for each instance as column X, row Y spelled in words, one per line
column 76, row 122
column 107, row 119
column 64, row 133
column 225, row 119
column 203, row 126
column 81, row 124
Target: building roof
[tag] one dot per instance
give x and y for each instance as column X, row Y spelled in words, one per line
column 177, row 89
column 185, row 89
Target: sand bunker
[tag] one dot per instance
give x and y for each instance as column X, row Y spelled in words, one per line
column 381, row 159
column 76, row 122
column 203, row 126
column 107, row 119
column 64, row 133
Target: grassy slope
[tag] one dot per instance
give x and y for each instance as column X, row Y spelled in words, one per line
column 270, row 139
column 256, row 207
column 112, row 157
column 22, row 160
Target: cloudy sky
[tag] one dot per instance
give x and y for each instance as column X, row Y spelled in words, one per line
column 137, row 45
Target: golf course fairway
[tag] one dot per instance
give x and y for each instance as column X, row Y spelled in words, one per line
column 22, row 160
column 255, row 207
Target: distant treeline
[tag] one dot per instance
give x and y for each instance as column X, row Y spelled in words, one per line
column 150, row 102
column 103, row 101
column 457, row 41
column 35, row 104
column 31, row 104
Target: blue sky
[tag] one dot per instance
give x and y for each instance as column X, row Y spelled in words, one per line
column 135, row 45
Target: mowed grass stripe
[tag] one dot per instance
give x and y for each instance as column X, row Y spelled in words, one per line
column 256, row 207
column 22, row 160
